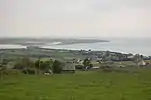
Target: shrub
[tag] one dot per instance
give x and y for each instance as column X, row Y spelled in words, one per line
column 43, row 65
column 29, row 71
column 5, row 61
column 24, row 63
column 10, row 72
column 57, row 67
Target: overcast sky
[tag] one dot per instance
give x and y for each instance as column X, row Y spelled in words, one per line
column 75, row 18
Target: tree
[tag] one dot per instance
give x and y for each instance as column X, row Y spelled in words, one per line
column 87, row 63
column 57, row 67
column 43, row 65
column 24, row 63
column 49, row 64
column 37, row 63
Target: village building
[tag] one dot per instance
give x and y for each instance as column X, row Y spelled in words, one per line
column 69, row 67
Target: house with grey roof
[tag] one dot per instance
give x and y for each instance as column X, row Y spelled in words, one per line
column 69, row 67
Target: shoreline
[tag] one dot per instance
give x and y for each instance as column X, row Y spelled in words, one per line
column 52, row 47
column 65, row 49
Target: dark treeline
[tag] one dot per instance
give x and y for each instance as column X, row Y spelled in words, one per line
column 28, row 66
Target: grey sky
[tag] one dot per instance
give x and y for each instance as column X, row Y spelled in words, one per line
column 82, row 18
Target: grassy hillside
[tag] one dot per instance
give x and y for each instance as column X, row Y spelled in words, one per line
column 80, row 86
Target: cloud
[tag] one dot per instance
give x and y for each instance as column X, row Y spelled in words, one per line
column 75, row 17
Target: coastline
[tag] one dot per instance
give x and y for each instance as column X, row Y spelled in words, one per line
column 134, row 46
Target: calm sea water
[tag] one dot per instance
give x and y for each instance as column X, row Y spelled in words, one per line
column 11, row 46
column 142, row 46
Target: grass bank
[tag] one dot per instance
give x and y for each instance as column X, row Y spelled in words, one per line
column 80, row 86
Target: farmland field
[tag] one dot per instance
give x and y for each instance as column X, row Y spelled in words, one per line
column 91, row 85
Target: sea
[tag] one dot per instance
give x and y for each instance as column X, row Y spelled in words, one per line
column 123, row 45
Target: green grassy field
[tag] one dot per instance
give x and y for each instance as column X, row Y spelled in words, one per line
column 91, row 85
